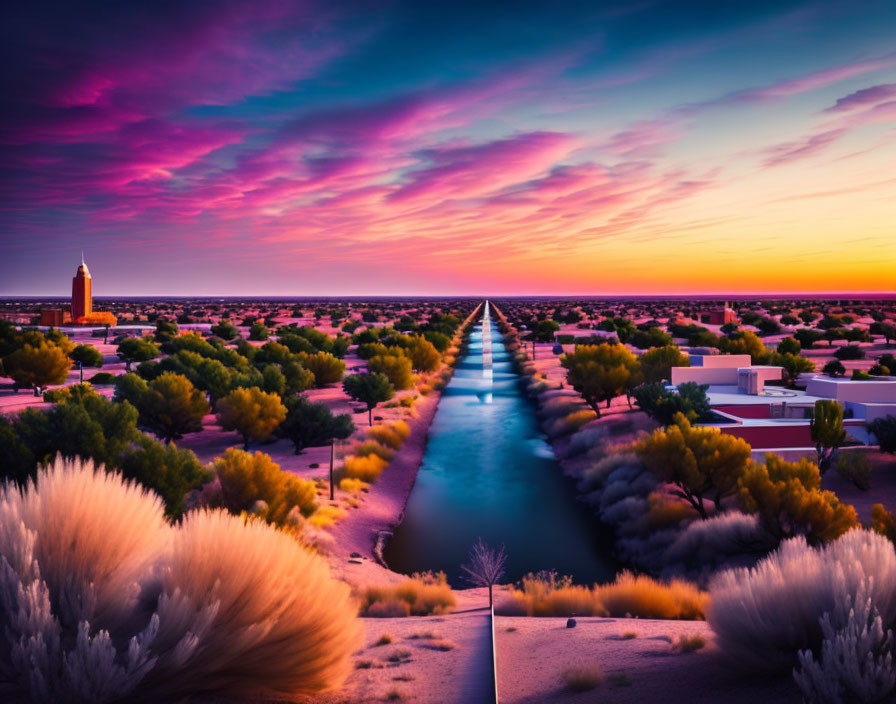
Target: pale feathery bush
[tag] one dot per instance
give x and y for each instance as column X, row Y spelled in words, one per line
column 856, row 661
column 765, row 615
column 101, row 600
column 267, row 614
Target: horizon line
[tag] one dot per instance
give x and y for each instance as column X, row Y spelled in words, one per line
column 709, row 294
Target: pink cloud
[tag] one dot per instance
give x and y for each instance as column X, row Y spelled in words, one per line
column 643, row 139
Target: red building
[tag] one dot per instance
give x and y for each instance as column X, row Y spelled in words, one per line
column 82, row 300
column 720, row 316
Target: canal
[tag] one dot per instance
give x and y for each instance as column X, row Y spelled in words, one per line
column 488, row 471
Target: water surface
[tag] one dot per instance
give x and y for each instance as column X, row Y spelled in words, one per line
column 488, row 471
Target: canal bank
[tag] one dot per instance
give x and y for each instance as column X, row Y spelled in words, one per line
column 488, row 472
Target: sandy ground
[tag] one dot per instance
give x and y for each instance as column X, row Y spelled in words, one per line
column 430, row 659
column 534, row 654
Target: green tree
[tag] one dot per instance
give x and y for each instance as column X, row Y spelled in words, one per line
column 884, row 431
column 87, row 356
column 826, row 427
column 689, row 399
column 172, row 407
column 792, row 364
column 745, row 342
column 700, row 461
column 131, row 388
column 787, row 497
column 601, row 372
column 789, row 345
column 310, row 424
column 251, row 412
column 397, row 368
column 657, row 363
column 439, row 340
column 326, row 368
column 38, row 366
column 166, row 330
column 545, row 329
column 834, row 368
column 170, row 472
column 369, row 389
column 651, row 337
column 808, row 337
column 137, row 349
column 225, row 330
column 274, row 380
column 423, row 354
column 259, row 331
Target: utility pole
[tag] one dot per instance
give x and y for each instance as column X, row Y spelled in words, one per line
column 332, row 462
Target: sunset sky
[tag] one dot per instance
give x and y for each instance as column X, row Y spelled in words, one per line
column 304, row 148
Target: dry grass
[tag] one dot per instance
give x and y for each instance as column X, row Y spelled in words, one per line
column 421, row 595
column 629, row 635
column 394, row 695
column 546, row 594
column 384, row 639
column 583, row 679
column 689, row 643
column 442, row 644
column 400, row 655
column 326, row 516
column 645, row 597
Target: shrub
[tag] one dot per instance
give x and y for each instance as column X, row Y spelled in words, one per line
column 855, row 467
column 366, row 468
column 102, row 379
column 849, row 352
column 372, row 447
column 765, row 615
column 104, row 601
column 393, row 435
column 421, row 595
column 583, row 679
column 352, row 486
column 689, row 643
column 248, row 478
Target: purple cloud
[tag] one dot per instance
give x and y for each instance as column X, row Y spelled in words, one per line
column 863, row 98
column 788, row 152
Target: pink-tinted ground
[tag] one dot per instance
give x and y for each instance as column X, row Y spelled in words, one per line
column 534, row 654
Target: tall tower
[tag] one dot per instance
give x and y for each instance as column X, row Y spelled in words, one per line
column 82, row 300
